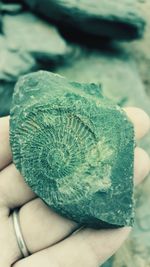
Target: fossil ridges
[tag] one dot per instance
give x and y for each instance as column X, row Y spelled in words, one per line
column 74, row 148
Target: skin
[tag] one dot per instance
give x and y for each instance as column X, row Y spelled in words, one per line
column 47, row 234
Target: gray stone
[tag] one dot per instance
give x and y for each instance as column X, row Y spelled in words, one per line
column 74, row 148
column 10, row 8
column 117, row 20
column 28, row 44
column 115, row 71
column 0, row 19
column 12, row 65
column 28, row 33
column 14, row 62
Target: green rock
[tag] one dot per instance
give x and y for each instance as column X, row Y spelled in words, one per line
column 6, row 92
column 108, row 263
column 117, row 20
column 74, row 148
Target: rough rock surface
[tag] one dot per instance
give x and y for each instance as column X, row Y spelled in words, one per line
column 75, row 148
column 117, row 20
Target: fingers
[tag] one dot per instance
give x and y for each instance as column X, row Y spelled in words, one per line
column 141, row 165
column 42, row 227
column 14, row 192
column 12, row 181
column 140, row 120
column 36, row 217
column 5, row 151
column 141, row 123
column 47, row 215
column 87, row 248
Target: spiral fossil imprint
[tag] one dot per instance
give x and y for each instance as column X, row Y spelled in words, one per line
column 74, row 148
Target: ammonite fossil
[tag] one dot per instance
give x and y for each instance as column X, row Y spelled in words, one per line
column 74, row 148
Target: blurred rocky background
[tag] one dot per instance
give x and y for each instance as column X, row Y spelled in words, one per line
column 105, row 42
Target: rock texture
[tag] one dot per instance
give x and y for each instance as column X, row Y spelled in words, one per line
column 74, row 148
column 116, row 20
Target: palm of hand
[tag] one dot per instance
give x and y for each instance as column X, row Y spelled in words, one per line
column 48, row 235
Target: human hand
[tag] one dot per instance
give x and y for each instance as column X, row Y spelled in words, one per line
column 42, row 228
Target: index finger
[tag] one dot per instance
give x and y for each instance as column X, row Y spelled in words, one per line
column 5, row 150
